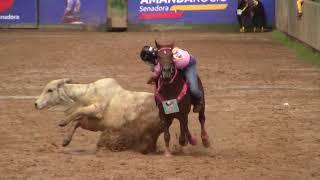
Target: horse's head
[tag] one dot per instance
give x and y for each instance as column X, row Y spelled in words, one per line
column 165, row 59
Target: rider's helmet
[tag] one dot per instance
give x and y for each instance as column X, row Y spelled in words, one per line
column 149, row 54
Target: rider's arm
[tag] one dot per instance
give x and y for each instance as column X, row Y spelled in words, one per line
column 181, row 58
column 155, row 74
column 156, row 71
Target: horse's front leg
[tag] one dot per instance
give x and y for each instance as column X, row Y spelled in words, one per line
column 184, row 121
column 167, row 122
column 204, row 135
column 182, row 139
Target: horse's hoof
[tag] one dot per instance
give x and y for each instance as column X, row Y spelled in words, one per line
column 65, row 142
column 205, row 141
column 183, row 143
column 167, row 154
column 62, row 123
column 193, row 141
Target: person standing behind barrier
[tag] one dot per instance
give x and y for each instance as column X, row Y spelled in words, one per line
column 243, row 14
column 258, row 16
column 72, row 11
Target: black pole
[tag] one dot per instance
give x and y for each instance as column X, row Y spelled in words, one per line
column 38, row 13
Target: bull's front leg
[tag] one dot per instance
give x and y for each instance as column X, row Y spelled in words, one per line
column 67, row 139
column 93, row 110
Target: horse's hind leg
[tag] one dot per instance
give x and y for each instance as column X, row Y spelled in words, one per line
column 202, row 118
column 204, row 135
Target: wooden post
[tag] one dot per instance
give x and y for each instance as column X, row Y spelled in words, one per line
column 117, row 12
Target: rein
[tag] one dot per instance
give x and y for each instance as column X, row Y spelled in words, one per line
column 165, row 48
column 175, row 74
column 182, row 93
column 176, row 71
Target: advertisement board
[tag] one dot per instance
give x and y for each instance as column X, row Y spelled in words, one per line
column 189, row 11
column 184, row 11
column 92, row 12
column 15, row 12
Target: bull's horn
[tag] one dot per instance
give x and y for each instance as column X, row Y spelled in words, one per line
column 157, row 44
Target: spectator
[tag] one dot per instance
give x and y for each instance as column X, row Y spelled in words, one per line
column 258, row 16
column 299, row 7
column 72, row 11
column 243, row 14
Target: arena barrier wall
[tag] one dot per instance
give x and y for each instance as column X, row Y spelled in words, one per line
column 18, row 13
column 306, row 29
column 50, row 13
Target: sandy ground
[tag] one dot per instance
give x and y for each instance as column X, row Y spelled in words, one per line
column 247, row 79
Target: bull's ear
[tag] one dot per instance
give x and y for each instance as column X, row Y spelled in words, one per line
column 172, row 44
column 67, row 80
column 63, row 81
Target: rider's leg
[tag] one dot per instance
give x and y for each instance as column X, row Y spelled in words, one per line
column 76, row 10
column 69, row 5
column 192, row 77
column 68, row 17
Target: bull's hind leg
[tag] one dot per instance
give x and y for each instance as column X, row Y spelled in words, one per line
column 71, row 131
column 204, row 135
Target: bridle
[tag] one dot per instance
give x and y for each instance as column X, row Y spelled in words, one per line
column 175, row 68
column 184, row 89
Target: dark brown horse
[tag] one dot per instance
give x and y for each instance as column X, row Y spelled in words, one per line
column 174, row 100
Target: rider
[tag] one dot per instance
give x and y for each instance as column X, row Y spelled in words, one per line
column 243, row 14
column 183, row 61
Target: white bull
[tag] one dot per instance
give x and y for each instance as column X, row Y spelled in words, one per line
column 104, row 105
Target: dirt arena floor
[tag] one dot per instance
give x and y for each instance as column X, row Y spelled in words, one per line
column 247, row 77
